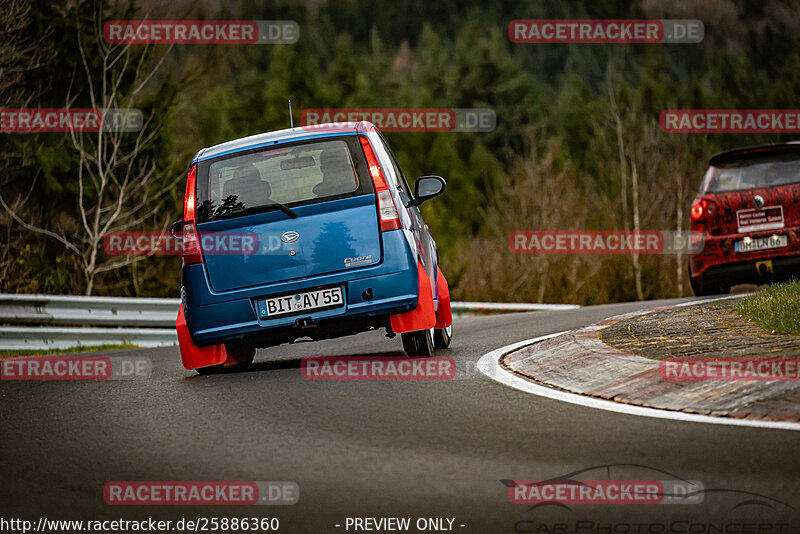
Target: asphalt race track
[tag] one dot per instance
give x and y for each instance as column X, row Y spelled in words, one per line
column 432, row 449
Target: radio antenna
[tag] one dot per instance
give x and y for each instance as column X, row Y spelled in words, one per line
column 291, row 120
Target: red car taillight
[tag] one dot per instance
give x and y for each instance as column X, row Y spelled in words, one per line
column 388, row 211
column 192, row 253
column 698, row 209
column 702, row 210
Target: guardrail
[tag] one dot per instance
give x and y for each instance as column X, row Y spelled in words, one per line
column 99, row 311
column 147, row 322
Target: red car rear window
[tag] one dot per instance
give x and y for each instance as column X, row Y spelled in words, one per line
column 768, row 171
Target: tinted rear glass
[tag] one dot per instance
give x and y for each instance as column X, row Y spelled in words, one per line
column 751, row 173
column 292, row 175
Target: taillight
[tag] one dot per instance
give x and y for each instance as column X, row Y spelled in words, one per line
column 698, row 209
column 388, row 211
column 702, row 210
column 192, row 252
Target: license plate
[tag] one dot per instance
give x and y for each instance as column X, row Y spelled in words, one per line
column 761, row 243
column 300, row 302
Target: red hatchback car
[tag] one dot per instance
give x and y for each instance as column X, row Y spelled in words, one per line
column 748, row 212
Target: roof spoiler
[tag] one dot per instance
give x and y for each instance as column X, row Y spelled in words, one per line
column 755, row 152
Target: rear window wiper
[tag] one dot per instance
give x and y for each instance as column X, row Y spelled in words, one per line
column 248, row 210
column 284, row 208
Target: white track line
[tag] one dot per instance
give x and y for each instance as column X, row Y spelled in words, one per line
column 489, row 364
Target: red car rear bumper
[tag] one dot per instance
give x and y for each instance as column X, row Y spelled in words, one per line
column 720, row 263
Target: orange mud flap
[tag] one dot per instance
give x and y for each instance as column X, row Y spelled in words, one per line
column 444, row 317
column 193, row 356
column 423, row 316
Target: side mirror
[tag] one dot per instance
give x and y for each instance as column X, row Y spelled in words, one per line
column 176, row 229
column 428, row 187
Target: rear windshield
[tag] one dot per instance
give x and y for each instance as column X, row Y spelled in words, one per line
column 292, row 175
column 751, row 173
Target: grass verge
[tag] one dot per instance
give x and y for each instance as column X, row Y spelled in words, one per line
column 776, row 308
column 11, row 353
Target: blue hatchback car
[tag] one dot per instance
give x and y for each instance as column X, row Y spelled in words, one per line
column 336, row 246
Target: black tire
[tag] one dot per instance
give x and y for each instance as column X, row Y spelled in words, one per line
column 244, row 354
column 418, row 343
column 442, row 337
column 210, row 370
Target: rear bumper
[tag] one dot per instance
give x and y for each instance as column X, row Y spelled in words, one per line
column 231, row 317
column 719, row 253
column 755, row 271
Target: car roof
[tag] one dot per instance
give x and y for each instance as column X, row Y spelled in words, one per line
column 754, row 152
column 281, row 136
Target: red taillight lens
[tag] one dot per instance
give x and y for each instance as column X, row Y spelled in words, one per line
column 698, row 210
column 191, row 244
column 388, row 211
column 702, row 210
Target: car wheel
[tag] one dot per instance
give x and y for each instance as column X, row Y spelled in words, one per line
column 442, row 337
column 418, row 343
column 242, row 355
column 211, row 369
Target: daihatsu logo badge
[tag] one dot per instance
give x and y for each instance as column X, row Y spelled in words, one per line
column 758, row 201
column 290, row 237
